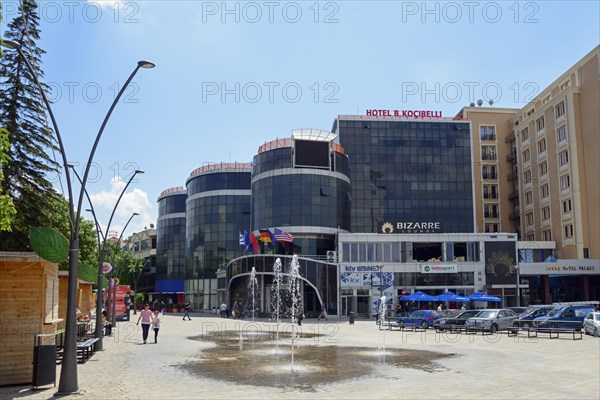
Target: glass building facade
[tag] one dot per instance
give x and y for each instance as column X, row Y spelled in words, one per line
column 170, row 241
column 301, row 185
column 217, row 210
column 407, row 172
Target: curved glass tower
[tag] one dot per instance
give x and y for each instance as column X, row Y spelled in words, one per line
column 170, row 241
column 301, row 185
column 217, row 210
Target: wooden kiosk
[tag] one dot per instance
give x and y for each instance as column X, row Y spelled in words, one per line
column 29, row 293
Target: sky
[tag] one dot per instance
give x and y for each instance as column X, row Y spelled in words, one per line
column 233, row 75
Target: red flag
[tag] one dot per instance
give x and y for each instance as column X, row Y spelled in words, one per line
column 254, row 243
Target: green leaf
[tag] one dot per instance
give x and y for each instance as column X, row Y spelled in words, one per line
column 49, row 244
column 89, row 273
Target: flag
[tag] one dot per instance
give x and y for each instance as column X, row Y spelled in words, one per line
column 254, row 243
column 283, row 236
column 266, row 236
column 242, row 241
column 247, row 246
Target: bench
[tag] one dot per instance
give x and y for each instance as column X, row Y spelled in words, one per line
column 402, row 327
column 86, row 349
column 473, row 330
column 554, row 333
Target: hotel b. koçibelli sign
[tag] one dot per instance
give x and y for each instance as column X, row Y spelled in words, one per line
column 416, row 114
column 439, row 268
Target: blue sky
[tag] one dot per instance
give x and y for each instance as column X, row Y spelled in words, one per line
column 231, row 76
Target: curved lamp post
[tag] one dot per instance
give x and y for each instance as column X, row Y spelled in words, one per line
column 68, row 374
column 100, row 298
column 113, row 312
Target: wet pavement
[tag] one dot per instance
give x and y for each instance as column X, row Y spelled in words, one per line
column 214, row 358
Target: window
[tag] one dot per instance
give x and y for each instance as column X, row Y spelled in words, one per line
column 547, row 235
column 541, row 145
column 490, row 211
column 543, row 168
column 561, row 133
column 530, row 238
column 491, row 228
column 526, row 155
column 545, row 213
column 524, row 135
column 568, row 231
column 487, row 133
column 566, row 206
column 488, row 152
column 489, row 172
column 529, row 218
column 540, row 124
column 527, row 177
column 528, row 197
column 563, row 158
column 565, row 182
column 559, row 110
column 490, row 191
column 544, row 191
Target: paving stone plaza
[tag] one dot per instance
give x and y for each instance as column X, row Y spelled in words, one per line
column 393, row 365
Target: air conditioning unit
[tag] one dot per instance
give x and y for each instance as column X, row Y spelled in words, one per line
column 332, row 255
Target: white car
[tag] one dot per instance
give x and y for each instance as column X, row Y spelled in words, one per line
column 591, row 324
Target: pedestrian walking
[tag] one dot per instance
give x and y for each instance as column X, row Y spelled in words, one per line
column 186, row 308
column 156, row 320
column 146, row 318
column 323, row 313
column 223, row 310
column 163, row 307
column 299, row 314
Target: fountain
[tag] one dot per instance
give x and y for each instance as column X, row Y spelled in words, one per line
column 295, row 293
column 253, row 289
column 381, row 317
column 277, row 273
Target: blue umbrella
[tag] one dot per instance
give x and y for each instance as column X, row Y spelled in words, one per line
column 451, row 296
column 483, row 296
column 417, row 296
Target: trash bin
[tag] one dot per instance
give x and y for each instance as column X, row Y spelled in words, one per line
column 44, row 360
column 351, row 317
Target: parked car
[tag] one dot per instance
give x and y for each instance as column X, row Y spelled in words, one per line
column 457, row 318
column 526, row 318
column 492, row 320
column 518, row 310
column 568, row 317
column 591, row 324
column 423, row 318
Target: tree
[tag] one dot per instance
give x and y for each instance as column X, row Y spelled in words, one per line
column 30, row 140
column 7, row 207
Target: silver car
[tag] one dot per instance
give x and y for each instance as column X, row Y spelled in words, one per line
column 492, row 320
column 591, row 324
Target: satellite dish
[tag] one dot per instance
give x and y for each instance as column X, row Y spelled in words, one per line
column 472, row 105
column 479, row 102
column 491, row 102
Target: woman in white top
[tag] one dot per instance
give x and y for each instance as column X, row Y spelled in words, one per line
column 156, row 324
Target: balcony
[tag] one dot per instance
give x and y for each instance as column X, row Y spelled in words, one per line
column 512, row 176
column 510, row 138
column 511, row 157
column 514, row 216
column 513, row 195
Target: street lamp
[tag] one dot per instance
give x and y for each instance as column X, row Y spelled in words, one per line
column 517, row 268
column 99, row 330
column 68, row 374
column 114, row 300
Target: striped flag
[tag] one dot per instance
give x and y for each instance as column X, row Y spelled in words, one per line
column 242, row 241
column 283, row 236
column 266, row 236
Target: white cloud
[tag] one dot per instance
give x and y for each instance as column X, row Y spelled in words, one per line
column 133, row 201
column 106, row 3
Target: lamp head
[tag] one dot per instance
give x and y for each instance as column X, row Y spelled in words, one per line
column 139, row 171
column 136, row 213
column 11, row 44
column 146, row 64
